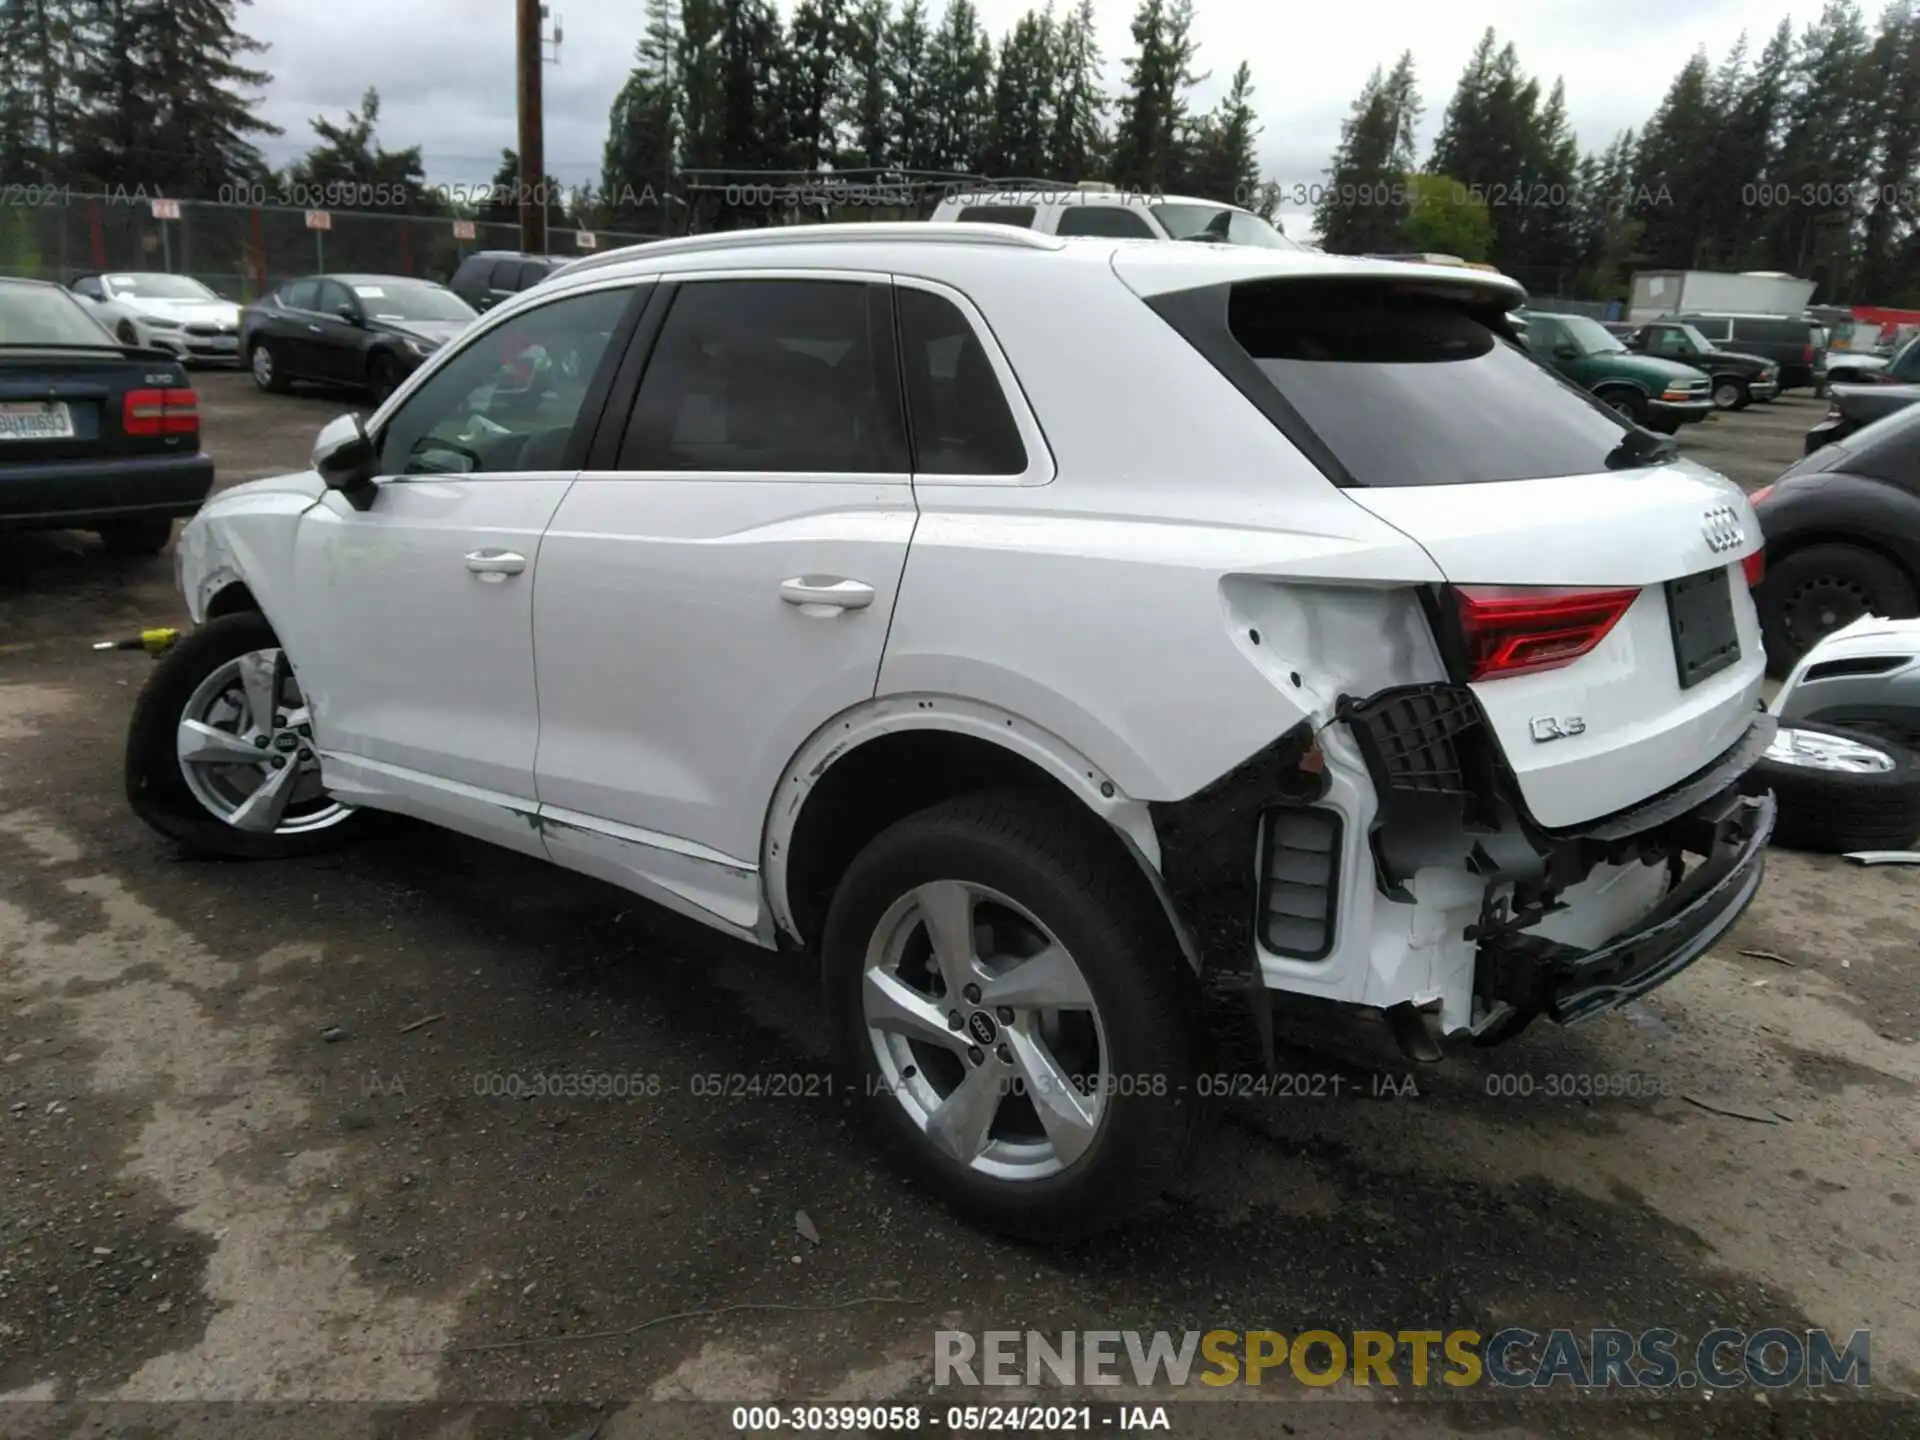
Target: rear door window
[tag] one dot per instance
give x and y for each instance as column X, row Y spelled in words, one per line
column 781, row 376
column 504, row 272
column 1388, row 387
column 1113, row 221
column 957, row 413
column 1021, row 215
column 531, row 274
column 301, row 295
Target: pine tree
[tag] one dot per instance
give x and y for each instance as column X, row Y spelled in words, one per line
column 1456, row 148
column 349, row 158
column 1606, row 229
column 1892, row 205
column 502, row 204
column 637, row 170
column 163, row 102
column 1547, row 244
column 1150, row 139
column 1670, row 171
column 960, row 89
column 1825, row 150
column 910, row 120
column 700, row 74
column 864, row 111
column 1076, row 148
column 38, row 102
column 1362, row 208
column 1023, row 100
column 816, row 77
column 1226, row 166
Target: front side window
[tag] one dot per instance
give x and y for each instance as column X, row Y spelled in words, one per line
column 410, row 300
column 511, row 398
column 1905, row 366
column 787, row 376
column 89, row 286
column 1115, row 222
column 334, row 297
column 957, row 413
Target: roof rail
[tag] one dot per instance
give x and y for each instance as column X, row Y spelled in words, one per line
column 853, row 233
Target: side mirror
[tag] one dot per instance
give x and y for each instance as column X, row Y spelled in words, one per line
column 348, row 314
column 1564, row 351
column 346, row 460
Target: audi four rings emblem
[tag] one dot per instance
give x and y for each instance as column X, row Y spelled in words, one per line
column 1723, row 529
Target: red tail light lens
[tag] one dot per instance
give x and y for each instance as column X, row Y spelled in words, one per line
column 1807, row 354
column 160, row 412
column 1521, row 629
column 1755, row 566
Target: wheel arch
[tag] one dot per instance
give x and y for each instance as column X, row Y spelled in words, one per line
column 884, row 759
column 1791, row 544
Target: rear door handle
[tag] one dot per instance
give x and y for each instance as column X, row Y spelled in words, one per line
column 824, row 595
column 494, row 566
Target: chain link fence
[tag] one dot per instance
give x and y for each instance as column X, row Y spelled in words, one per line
column 243, row 251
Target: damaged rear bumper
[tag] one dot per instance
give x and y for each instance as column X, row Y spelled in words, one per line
column 1571, row 985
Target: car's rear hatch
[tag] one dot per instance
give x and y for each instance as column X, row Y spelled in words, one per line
column 1597, row 602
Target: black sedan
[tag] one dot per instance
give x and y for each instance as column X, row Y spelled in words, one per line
column 94, row 435
column 1842, row 527
column 1738, row 379
column 365, row 331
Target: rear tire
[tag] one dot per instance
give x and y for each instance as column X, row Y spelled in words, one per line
column 134, row 539
column 157, row 781
column 263, row 360
column 1814, row 591
column 1070, row 891
column 1874, row 805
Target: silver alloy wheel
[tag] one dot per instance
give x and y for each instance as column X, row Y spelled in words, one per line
column 261, row 363
column 1726, row 395
column 1812, row 750
column 245, row 742
column 985, row 1031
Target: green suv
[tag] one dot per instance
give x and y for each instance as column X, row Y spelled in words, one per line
column 1660, row 394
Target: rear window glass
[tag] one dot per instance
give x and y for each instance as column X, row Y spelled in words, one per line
column 1403, row 389
column 43, row 315
column 1021, row 215
column 1112, row 221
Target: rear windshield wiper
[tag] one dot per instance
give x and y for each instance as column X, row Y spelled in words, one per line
column 1639, row 448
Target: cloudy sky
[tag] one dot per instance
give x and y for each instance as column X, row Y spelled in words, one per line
column 444, row 68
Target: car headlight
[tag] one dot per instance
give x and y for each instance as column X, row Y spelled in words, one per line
column 161, row 322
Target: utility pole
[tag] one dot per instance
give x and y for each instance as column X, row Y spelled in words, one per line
column 533, row 160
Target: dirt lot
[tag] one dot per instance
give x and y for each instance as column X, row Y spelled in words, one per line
column 233, row 1166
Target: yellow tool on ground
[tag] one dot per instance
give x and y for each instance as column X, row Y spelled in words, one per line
column 154, row 642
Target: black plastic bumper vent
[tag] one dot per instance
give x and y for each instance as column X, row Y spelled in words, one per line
column 1407, row 738
column 1300, row 887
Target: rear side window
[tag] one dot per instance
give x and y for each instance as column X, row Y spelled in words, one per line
column 1021, row 215
column 957, row 413
column 786, row 376
column 531, row 274
column 301, row 295
column 1113, row 221
column 1713, row 329
column 1387, row 387
column 504, row 273
column 1772, row 332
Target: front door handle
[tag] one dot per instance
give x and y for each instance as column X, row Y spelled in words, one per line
column 316, row 329
column 493, row 566
column 824, row 595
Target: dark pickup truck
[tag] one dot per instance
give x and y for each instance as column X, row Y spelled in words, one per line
column 93, row 435
column 1738, row 378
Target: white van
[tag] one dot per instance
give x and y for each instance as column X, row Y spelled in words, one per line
column 1091, row 208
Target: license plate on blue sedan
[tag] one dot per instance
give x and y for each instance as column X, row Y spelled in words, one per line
column 35, row 420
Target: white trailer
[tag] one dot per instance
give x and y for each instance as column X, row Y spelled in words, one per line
column 1754, row 292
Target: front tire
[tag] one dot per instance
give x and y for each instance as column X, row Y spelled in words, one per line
column 383, row 377
column 1816, row 590
column 1730, row 394
column 1629, row 405
column 220, row 754
column 1010, row 1000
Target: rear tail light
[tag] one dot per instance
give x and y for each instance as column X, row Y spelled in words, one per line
column 1755, row 566
column 1757, row 496
column 1521, row 629
column 1806, row 354
column 161, row 412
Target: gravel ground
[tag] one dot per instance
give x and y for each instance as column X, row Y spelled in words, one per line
column 249, row 1151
